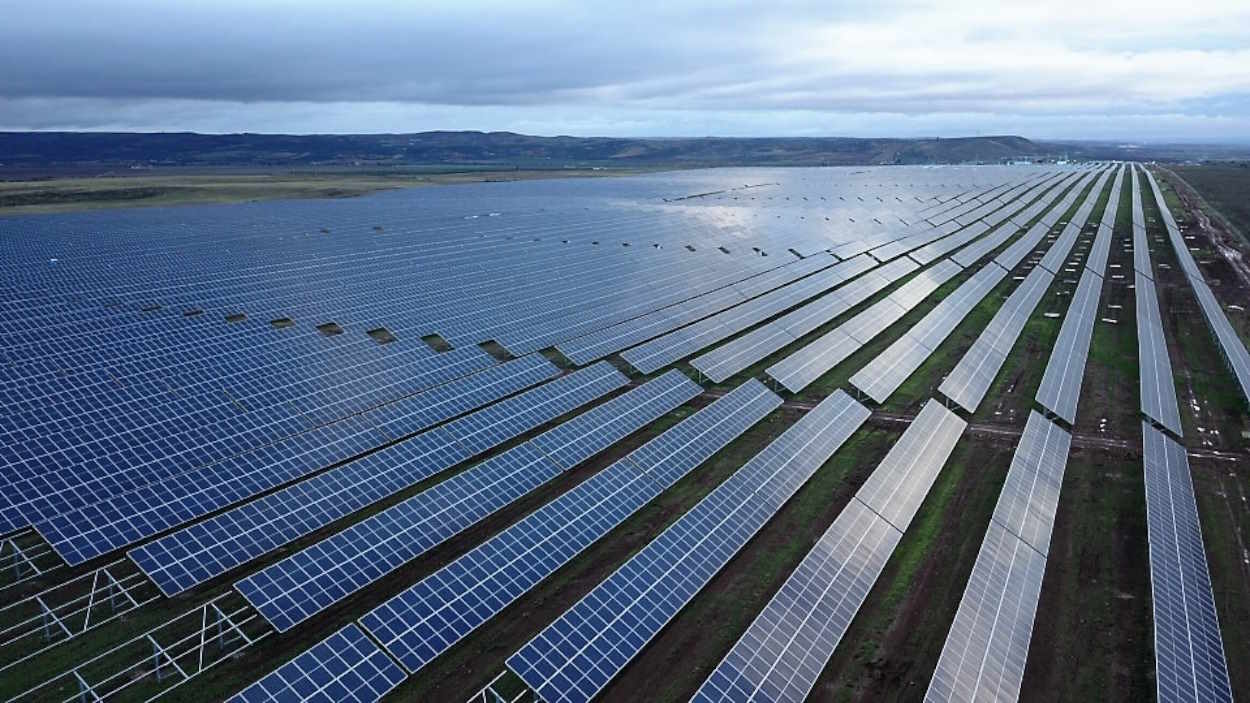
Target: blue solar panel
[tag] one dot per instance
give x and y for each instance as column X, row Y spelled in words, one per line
column 212, row 547
column 295, row 588
column 574, row 657
column 424, row 621
column 344, row 667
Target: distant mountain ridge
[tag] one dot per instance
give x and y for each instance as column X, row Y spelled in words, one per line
column 503, row 149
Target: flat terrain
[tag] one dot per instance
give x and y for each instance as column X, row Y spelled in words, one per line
column 27, row 197
column 1093, row 634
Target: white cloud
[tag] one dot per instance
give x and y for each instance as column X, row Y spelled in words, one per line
column 1054, row 69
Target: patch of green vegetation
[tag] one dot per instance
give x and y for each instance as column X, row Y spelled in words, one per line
column 1225, row 188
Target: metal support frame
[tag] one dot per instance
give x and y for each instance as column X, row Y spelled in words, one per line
column 488, row 694
column 61, row 612
column 169, row 653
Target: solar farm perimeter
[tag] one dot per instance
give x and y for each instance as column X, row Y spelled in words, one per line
column 895, row 433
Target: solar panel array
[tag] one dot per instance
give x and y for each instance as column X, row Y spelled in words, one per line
column 210, row 548
column 205, row 385
column 428, row 618
column 677, row 345
column 292, row 590
column 753, row 347
column 345, row 667
column 574, row 657
column 988, row 642
column 883, row 375
column 122, row 373
column 1189, row 651
column 784, row 650
column 1229, row 342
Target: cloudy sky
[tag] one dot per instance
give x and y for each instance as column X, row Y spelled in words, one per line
column 1129, row 71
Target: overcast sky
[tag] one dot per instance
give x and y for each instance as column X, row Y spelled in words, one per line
column 1096, row 70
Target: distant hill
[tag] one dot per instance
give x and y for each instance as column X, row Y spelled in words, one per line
column 27, row 150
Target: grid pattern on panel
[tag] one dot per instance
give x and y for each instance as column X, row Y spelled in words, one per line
column 783, row 651
column 1030, row 496
column 295, row 588
column 510, row 417
column 1100, row 251
column 425, row 620
column 203, row 431
column 344, row 667
column 804, row 366
column 1158, row 389
column 112, row 522
column 574, row 657
column 887, row 371
column 971, row 378
column 207, row 549
column 1189, row 650
column 898, row 485
column 723, row 362
column 988, row 643
column 1060, row 389
column 735, row 356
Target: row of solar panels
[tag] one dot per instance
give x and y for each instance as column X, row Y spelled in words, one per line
column 816, row 358
column 1158, row 388
column 971, row 378
column 1229, row 342
column 786, row 647
column 1060, row 389
column 1189, row 651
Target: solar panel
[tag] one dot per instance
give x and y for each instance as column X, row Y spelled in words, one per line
column 786, row 647
column 346, row 666
column 1189, row 652
column 1158, row 390
column 428, row 618
column 683, row 342
column 784, row 650
column 988, row 643
column 971, row 378
column 902, row 479
column 130, row 517
column 1058, row 252
column 574, row 657
column 210, row 548
column 801, row 368
column 1101, row 249
column 1141, row 247
column 1060, row 389
column 308, row 581
column 887, row 371
column 734, row 357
